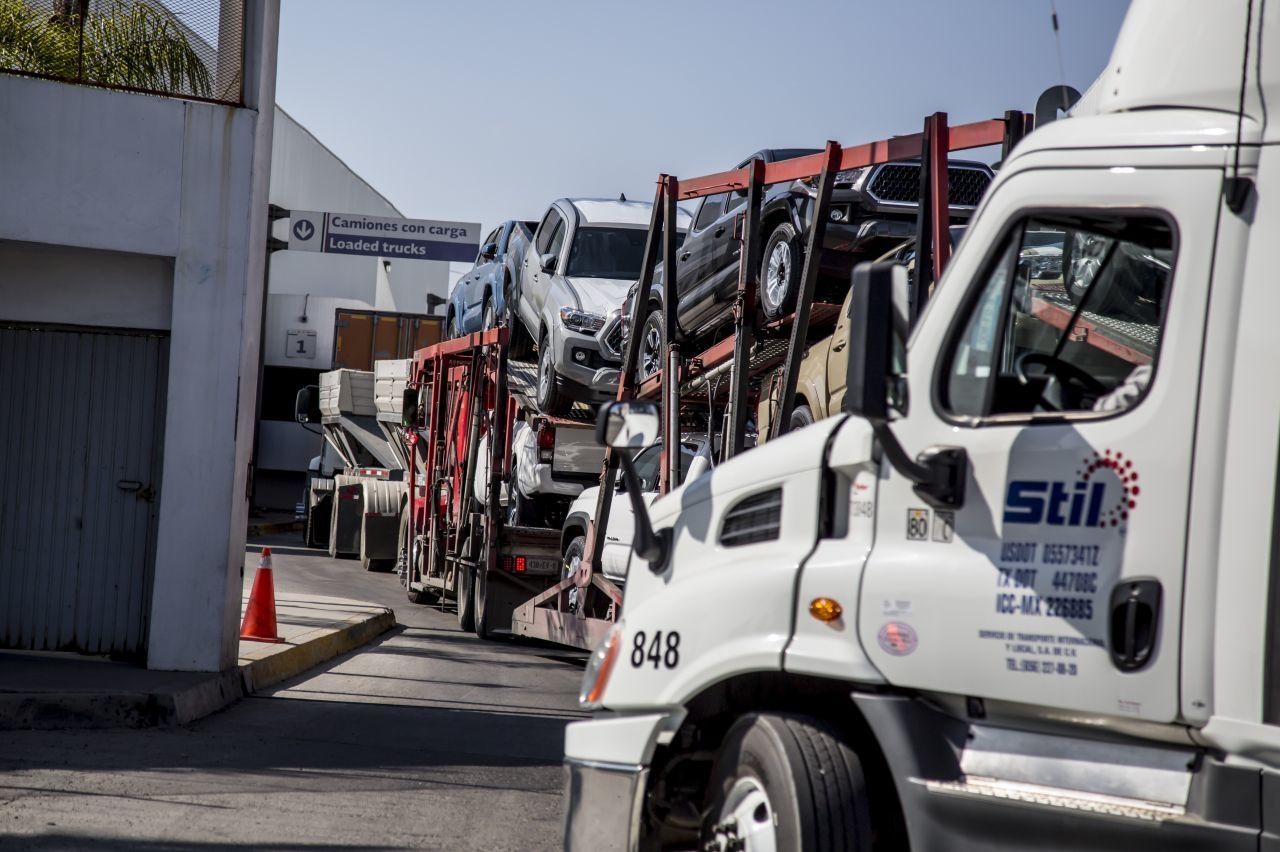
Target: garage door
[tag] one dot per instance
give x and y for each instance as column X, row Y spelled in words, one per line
column 81, row 425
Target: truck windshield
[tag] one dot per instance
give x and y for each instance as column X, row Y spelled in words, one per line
column 609, row 251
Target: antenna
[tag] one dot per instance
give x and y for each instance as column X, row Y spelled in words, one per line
column 622, row 196
column 1057, row 42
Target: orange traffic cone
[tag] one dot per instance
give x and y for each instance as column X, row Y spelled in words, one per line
column 259, row 623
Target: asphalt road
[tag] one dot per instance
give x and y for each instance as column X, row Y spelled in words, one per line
column 427, row 738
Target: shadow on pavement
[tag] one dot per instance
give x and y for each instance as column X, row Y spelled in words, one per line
column 77, row 842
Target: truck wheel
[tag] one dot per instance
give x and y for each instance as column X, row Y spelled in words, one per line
column 780, row 272
column 652, row 350
column 466, row 600
column 486, row 622
column 521, row 511
column 490, row 317
column 550, row 400
column 801, row 416
column 377, row 565
column 409, row 563
column 786, row 782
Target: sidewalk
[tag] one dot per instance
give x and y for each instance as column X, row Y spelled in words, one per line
column 40, row 690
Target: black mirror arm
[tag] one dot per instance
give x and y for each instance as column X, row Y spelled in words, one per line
column 939, row 473
column 649, row 544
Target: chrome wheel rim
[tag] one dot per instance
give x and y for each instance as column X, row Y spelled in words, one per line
column 544, row 374
column 746, row 819
column 778, row 273
column 651, row 356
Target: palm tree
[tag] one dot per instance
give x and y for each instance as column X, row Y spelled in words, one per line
column 135, row 44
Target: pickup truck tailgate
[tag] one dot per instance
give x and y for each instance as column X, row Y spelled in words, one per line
column 576, row 450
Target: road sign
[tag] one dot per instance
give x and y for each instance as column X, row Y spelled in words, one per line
column 377, row 236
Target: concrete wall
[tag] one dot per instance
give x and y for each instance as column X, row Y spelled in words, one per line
column 184, row 184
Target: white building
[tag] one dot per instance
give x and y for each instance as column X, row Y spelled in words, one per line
column 132, row 229
column 305, row 292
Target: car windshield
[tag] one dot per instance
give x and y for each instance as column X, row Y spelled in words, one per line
column 608, row 251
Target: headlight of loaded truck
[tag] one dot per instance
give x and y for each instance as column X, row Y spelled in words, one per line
column 581, row 321
column 596, row 678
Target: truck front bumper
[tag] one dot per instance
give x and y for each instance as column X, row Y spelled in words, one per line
column 602, row 805
column 606, row 776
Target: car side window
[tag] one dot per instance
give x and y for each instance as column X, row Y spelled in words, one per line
column 710, row 211
column 547, row 230
column 1069, row 319
column 647, row 464
column 557, row 239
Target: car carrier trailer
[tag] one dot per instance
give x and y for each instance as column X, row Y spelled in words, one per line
column 457, row 545
column 356, row 513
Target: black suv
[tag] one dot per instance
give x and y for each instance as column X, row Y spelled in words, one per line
column 872, row 210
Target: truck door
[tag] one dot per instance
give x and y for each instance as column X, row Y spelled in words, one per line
column 1072, row 389
column 534, row 282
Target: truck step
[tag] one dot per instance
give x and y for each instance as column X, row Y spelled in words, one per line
column 1056, row 797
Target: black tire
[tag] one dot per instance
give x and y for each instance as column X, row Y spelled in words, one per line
column 813, row 790
column 316, row 535
column 490, row 317
column 550, row 399
column 783, row 259
column 451, row 326
column 411, row 567
column 465, row 590
column 801, row 416
column 521, row 511
column 652, row 345
column 486, row 623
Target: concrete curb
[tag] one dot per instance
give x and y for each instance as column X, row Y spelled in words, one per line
column 139, row 709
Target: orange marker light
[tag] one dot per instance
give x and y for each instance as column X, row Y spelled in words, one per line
column 825, row 609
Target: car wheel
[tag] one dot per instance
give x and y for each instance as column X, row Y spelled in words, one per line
column 550, row 400
column 490, row 317
column 801, row 416
column 573, row 556
column 652, row 348
column 786, row 782
column 464, row 590
column 521, row 511
column 780, row 272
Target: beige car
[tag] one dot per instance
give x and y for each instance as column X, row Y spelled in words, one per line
column 820, row 383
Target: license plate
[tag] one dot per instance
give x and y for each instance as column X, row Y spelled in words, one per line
column 543, row 566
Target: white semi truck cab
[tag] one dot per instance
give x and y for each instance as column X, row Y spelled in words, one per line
column 1027, row 593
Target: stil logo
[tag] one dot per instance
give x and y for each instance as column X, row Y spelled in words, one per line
column 1104, row 493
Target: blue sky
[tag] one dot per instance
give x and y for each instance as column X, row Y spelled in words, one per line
column 487, row 111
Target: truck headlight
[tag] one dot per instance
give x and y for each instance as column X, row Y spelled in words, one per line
column 599, row 667
column 582, row 321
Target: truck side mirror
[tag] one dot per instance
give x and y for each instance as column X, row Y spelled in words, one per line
column 306, row 405
column 409, row 407
column 628, row 425
column 547, row 263
column 876, row 339
column 877, row 355
column 489, row 251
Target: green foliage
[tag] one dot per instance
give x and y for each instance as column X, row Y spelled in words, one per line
column 132, row 44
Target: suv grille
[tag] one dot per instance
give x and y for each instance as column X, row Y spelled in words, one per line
column 899, row 183
column 757, row 518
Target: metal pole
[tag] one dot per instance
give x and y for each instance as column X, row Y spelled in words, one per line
column 940, row 189
column 672, row 368
column 744, row 314
column 631, row 355
column 1015, row 128
column 497, row 447
column 808, row 282
column 924, row 230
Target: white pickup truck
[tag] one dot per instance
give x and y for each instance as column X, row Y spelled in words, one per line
column 1026, row 594
column 574, row 278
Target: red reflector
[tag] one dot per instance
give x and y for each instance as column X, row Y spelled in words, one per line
column 349, row 492
column 507, row 563
column 520, row 566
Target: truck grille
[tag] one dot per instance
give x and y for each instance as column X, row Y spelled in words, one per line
column 899, row 183
column 610, row 337
column 755, row 519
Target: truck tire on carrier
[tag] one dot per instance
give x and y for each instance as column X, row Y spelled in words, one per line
column 465, row 593
column 786, row 782
column 408, row 559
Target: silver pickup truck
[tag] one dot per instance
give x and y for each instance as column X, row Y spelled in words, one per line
column 573, row 279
